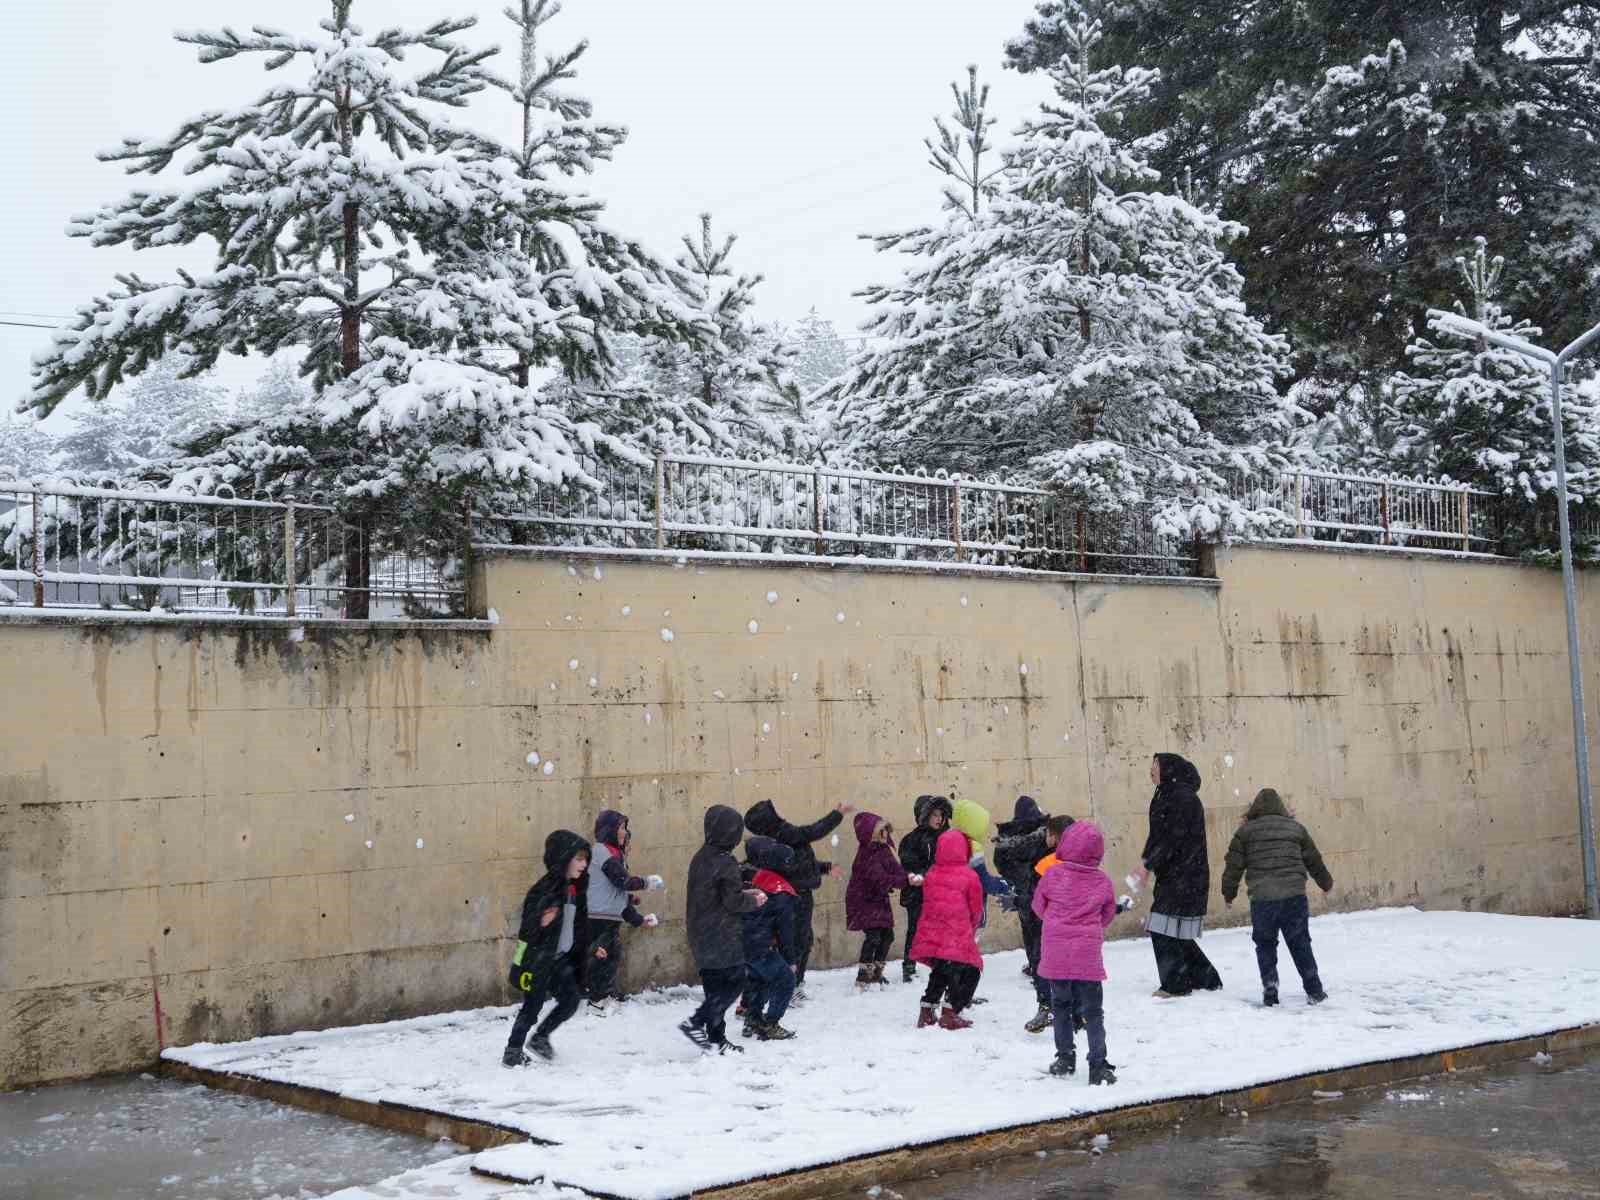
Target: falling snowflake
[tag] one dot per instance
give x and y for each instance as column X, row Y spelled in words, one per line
column 666, row 635
column 573, row 571
column 1023, row 668
column 767, row 728
column 598, row 573
column 753, row 627
column 627, row 610
column 1227, row 760
column 718, row 693
column 647, row 716
column 839, row 616
column 419, row 843
column 572, row 664
column 795, row 677
column 369, row 845
column 533, row 758
column 549, row 768
column 593, row 682
column 349, row 818
column 963, row 601
column 772, row 597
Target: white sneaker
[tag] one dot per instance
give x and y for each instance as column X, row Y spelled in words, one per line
column 599, row 1008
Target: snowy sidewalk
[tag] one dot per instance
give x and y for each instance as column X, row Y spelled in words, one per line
column 635, row 1111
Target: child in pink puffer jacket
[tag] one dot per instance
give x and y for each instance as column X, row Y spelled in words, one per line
column 1075, row 901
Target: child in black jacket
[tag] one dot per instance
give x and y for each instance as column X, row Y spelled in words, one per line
column 916, row 856
column 552, row 945
column 715, row 902
column 771, row 947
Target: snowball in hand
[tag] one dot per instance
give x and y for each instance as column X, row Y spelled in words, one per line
column 654, row 882
column 834, row 840
column 651, row 920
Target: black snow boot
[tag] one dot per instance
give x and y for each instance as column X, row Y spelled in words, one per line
column 1105, row 1073
column 1316, row 997
column 514, row 1056
column 1040, row 1021
column 908, row 971
column 1269, row 998
column 539, row 1043
column 1065, row 1064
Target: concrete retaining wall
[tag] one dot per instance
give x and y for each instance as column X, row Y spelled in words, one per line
column 282, row 827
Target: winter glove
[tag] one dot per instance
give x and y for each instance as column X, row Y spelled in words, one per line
column 651, row 920
column 654, row 882
column 976, row 860
column 1008, row 902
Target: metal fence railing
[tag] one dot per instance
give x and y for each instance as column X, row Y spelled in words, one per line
column 1325, row 506
column 686, row 502
column 67, row 546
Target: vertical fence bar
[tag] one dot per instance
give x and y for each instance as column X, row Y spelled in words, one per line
column 955, row 518
column 1083, row 540
column 816, row 512
column 288, row 560
column 38, row 552
column 1383, row 511
column 1299, row 506
column 661, row 488
column 1466, row 519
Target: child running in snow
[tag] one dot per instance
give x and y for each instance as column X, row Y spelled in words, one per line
column 874, row 875
column 1274, row 853
column 552, row 946
column 613, row 899
column 771, row 945
column 1074, row 901
column 947, row 933
column 716, row 902
column 916, row 856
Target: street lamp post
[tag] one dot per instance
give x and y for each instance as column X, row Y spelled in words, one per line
column 1556, row 362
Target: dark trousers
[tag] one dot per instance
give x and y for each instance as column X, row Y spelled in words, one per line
column 1183, row 966
column 561, row 983
column 875, row 945
column 1083, row 999
column 913, row 915
column 803, row 933
column 953, row 982
column 607, row 936
column 768, row 987
column 722, row 986
column 1032, row 935
column 1292, row 918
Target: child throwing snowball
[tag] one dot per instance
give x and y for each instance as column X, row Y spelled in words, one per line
column 1074, row 901
column 875, row 874
column 947, row 933
column 1274, row 853
column 613, row 900
column 715, row 904
column 771, row 945
column 552, row 945
column 916, row 856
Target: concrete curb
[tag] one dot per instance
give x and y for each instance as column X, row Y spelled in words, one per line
column 964, row 1153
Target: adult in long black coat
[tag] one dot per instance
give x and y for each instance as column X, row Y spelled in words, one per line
column 806, row 875
column 1175, row 853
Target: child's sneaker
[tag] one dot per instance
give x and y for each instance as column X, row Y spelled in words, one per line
column 1269, row 998
column 1104, row 1073
column 723, row 1043
column 863, row 977
column 773, row 1032
column 752, row 1026
column 539, row 1043
column 695, row 1032
column 598, row 1008
column 515, row 1056
column 798, row 998
column 1316, row 997
column 1040, row 1021
column 1065, row 1064
column 950, row 1019
column 926, row 1017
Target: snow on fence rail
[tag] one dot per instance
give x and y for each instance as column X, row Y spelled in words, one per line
column 688, row 502
column 70, row 546
column 1325, row 506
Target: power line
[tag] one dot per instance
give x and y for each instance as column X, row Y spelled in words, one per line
column 7, row 312
column 31, row 325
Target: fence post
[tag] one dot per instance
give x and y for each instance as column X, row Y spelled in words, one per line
column 1083, row 541
column 661, row 489
column 1299, row 506
column 955, row 520
column 288, row 560
column 821, row 545
column 1466, row 519
column 1383, row 510
column 38, row 551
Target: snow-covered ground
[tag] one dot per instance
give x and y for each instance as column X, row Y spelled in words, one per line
column 635, row 1111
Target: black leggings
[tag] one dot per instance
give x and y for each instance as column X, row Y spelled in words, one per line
column 560, row 983
column 803, row 932
column 953, row 982
column 875, row 945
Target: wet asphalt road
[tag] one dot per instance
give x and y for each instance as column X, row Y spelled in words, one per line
column 1526, row 1130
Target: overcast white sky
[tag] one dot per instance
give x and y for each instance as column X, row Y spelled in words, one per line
column 799, row 126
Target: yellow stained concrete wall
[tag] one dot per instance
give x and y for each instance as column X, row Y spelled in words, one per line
column 174, row 798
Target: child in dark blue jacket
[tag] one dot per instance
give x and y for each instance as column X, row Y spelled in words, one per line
column 771, row 942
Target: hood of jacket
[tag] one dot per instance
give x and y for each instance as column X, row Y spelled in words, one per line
column 560, row 848
column 953, row 849
column 1177, row 769
column 1027, row 810
column 866, row 824
column 1266, row 804
column 1082, row 844
column 724, row 827
column 926, row 806
column 762, row 819
column 608, row 827
column 972, row 819
column 768, row 855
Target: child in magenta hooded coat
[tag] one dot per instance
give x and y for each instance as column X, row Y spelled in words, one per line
column 1075, row 902
column 947, row 932
column 875, row 874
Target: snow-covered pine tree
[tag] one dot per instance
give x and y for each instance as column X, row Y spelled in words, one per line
column 820, row 354
column 1478, row 414
column 25, row 449
column 422, row 268
column 113, row 439
column 961, row 150
column 1085, row 330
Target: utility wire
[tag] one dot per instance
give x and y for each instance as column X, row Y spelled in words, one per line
column 31, row 325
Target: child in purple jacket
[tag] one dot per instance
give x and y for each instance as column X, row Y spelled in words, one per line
column 875, row 874
column 1075, row 902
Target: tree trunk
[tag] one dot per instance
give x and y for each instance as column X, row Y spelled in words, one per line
column 358, row 551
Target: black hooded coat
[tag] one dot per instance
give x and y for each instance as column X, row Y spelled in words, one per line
column 716, row 901
column 917, row 847
column 1019, row 845
column 806, row 874
column 1176, row 848
column 551, row 891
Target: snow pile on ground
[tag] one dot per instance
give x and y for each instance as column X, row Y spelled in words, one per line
column 454, row 1180
column 635, row 1111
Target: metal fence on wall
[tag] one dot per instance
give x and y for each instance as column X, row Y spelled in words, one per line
column 78, row 547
